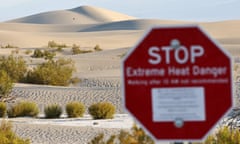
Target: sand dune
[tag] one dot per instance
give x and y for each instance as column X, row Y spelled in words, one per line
column 136, row 24
column 223, row 29
column 46, row 28
column 79, row 15
column 108, row 35
column 107, row 39
column 220, row 30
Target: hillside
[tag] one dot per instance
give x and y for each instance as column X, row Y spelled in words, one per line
column 79, row 15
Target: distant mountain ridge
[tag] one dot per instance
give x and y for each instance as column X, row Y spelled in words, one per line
column 79, row 15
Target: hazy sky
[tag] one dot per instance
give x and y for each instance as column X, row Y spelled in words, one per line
column 200, row 10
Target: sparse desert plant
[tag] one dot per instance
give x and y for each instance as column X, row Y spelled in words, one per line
column 102, row 110
column 15, row 67
column 37, row 54
column 23, row 109
column 49, row 55
column 7, row 135
column 75, row 109
column 9, row 46
column 16, row 51
column 97, row 48
column 135, row 136
column 6, row 84
column 53, row 111
column 46, row 54
column 61, row 46
column 59, row 49
column 52, row 72
column 76, row 50
column 53, row 44
column 27, row 52
column 224, row 136
column 3, row 109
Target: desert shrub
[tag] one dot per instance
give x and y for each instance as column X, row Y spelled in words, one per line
column 27, row 52
column 7, row 135
column 37, row 53
column 53, row 111
column 76, row 50
column 97, row 48
column 9, row 46
column 86, row 51
column 53, row 44
column 6, row 84
column 59, row 49
column 48, row 55
column 15, row 67
column 75, row 109
column 224, row 136
column 16, row 51
column 23, row 109
column 135, row 136
column 3, row 109
column 102, row 110
column 52, row 72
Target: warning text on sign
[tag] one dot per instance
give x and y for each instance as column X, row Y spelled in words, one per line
column 169, row 104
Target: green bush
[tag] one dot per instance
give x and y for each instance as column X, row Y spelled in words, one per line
column 15, row 67
column 224, row 136
column 52, row 72
column 3, row 109
column 75, row 109
column 23, row 109
column 37, row 54
column 46, row 54
column 102, row 110
column 6, row 84
column 76, row 49
column 53, row 111
column 7, row 136
column 135, row 136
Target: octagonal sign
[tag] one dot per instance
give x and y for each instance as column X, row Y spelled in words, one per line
column 177, row 83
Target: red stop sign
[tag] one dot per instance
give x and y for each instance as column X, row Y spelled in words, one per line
column 177, row 83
